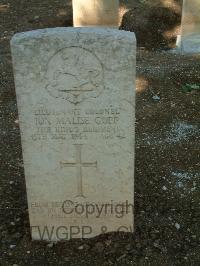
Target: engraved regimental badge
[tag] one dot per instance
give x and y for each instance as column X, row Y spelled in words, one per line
column 74, row 74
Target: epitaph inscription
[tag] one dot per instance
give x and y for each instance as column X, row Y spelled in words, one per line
column 76, row 102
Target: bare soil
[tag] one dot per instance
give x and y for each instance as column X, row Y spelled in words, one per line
column 167, row 192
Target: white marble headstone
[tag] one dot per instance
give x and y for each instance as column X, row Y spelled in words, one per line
column 189, row 40
column 96, row 13
column 75, row 91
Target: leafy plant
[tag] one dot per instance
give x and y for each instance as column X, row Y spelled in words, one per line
column 188, row 87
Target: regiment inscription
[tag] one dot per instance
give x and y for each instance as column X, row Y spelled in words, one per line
column 76, row 123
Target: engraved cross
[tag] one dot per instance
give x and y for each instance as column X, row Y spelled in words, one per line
column 79, row 164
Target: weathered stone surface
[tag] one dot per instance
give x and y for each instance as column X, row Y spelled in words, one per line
column 190, row 27
column 93, row 13
column 76, row 99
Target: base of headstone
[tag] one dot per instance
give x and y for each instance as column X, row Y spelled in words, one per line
column 190, row 44
column 187, row 45
column 189, row 40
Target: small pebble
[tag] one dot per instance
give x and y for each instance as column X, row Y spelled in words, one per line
column 164, row 188
column 121, row 257
column 108, row 242
column 156, row 98
column 50, row 245
column 177, row 226
column 85, row 246
column 180, row 184
column 12, row 246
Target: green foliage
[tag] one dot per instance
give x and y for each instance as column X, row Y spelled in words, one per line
column 190, row 87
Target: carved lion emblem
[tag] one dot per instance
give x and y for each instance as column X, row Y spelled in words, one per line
column 74, row 74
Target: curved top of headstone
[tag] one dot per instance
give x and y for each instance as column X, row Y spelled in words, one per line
column 60, row 31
